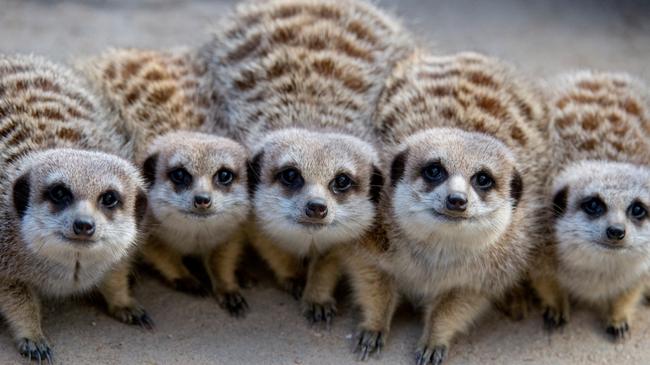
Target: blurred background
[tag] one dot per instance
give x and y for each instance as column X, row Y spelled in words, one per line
column 542, row 37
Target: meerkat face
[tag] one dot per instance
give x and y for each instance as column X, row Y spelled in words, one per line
column 601, row 212
column 314, row 188
column 77, row 205
column 454, row 186
column 197, row 181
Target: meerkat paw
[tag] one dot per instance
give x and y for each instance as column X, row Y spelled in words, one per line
column 618, row 330
column 190, row 285
column 320, row 312
column 368, row 342
column 134, row 315
column 36, row 349
column 294, row 286
column 234, row 303
column 246, row 280
column 431, row 355
column 554, row 318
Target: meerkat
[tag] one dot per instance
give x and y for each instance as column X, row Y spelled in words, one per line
column 197, row 182
column 453, row 236
column 597, row 199
column 300, row 79
column 70, row 206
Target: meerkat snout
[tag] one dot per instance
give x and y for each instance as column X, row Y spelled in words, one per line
column 616, row 232
column 202, row 201
column 316, row 209
column 84, row 227
column 456, row 202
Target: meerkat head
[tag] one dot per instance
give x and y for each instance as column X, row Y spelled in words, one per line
column 75, row 204
column 601, row 212
column 453, row 186
column 313, row 188
column 197, row 181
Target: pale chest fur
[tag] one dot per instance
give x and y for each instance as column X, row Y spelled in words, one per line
column 189, row 239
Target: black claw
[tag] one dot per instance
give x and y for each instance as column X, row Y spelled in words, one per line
column 190, row 285
column 320, row 313
column 234, row 303
column 431, row 356
column 368, row 343
column 618, row 332
column 145, row 321
column 134, row 316
column 553, row 320
column 35, row 349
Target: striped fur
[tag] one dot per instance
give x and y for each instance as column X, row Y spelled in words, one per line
column 309, row 64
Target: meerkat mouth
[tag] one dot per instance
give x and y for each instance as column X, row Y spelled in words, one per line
column 610, row 246
column 203, row 215
column 451, row 218
column 312, row 225
column 78, row 241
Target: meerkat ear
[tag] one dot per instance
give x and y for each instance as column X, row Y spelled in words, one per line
column 560, row 201
column 254, row 171
column 516, row 188
column 397, row 167
column 140, row 206
column 21, row 195
column 376, row 184
column 149, row 169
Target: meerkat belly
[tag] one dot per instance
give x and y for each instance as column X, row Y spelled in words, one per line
column 427, row 276
column 194, row 239
column 598, row 285
column 75, row 276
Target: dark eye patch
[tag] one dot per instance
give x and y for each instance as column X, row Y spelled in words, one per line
column 224, row 177
column 341, row 183
column 593, row 206
column 434, row 173
column 483, row 181
column 180, row 177
column 110, row 199
column 291, row 178
column 59, row 195
column 637, row 210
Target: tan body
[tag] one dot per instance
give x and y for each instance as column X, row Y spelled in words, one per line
column 47, row 122
column 157, row 95
column 599, row 140
column 301, row 79
column 453, row 268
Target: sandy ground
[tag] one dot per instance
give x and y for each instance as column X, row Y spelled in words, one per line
column 542, row 38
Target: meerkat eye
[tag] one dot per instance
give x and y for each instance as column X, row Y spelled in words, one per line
column 638, row 211
column 110, row 199
column 594, row 207
column 59, row 194
column 434, row 173
column 225, row 177
column 180, row 177
column 291, row 178
column 341, row 183
column 483, row 181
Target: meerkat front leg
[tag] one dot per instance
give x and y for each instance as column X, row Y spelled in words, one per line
column 554, row 300
column 287, row 268
column 621, row 311
column 318, row 300
column 20, row 306
column 445, row 317
column 169, row 264
column 119, row 299
column 222, row 266
column 376, row 295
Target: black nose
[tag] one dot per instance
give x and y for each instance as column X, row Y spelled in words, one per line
column 202, row 201
column 457, row 202
column 616, row 232
column 83, row 227
column 316, row 209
